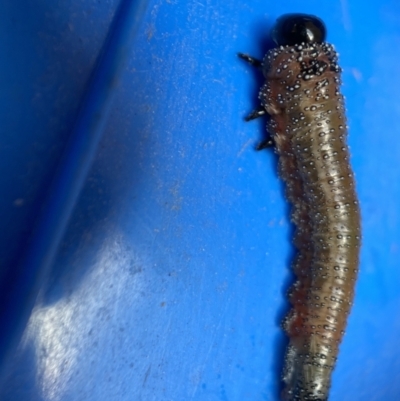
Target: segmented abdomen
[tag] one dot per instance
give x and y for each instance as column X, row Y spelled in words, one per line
column 308, row 126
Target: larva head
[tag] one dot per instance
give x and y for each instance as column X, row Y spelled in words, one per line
column 295, row 29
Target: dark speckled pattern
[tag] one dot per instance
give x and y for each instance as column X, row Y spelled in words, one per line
column 308, row 127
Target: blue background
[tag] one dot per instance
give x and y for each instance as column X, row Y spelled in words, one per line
column 170, row 281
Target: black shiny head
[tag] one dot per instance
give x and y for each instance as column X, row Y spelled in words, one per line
column 294, row 29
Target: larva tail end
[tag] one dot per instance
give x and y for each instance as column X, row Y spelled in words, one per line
column 307, row 372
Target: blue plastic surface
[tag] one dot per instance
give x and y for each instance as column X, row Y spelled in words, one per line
column 21, row 280
column 170, row 281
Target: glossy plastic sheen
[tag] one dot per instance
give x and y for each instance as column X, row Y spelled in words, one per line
column 21, row 280
column 308, row 127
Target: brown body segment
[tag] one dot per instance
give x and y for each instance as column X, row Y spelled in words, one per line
column 308, row 126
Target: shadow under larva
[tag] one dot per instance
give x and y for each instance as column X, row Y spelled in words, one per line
column 307, row 129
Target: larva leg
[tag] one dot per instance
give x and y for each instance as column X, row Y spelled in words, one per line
column 268, row 142
column 251, row 60
column 265, row 144
column 256, row 114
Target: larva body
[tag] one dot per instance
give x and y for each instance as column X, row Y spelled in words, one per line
column 309, row 129
column 307, row 125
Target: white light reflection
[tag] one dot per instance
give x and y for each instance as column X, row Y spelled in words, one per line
column 63, row 332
